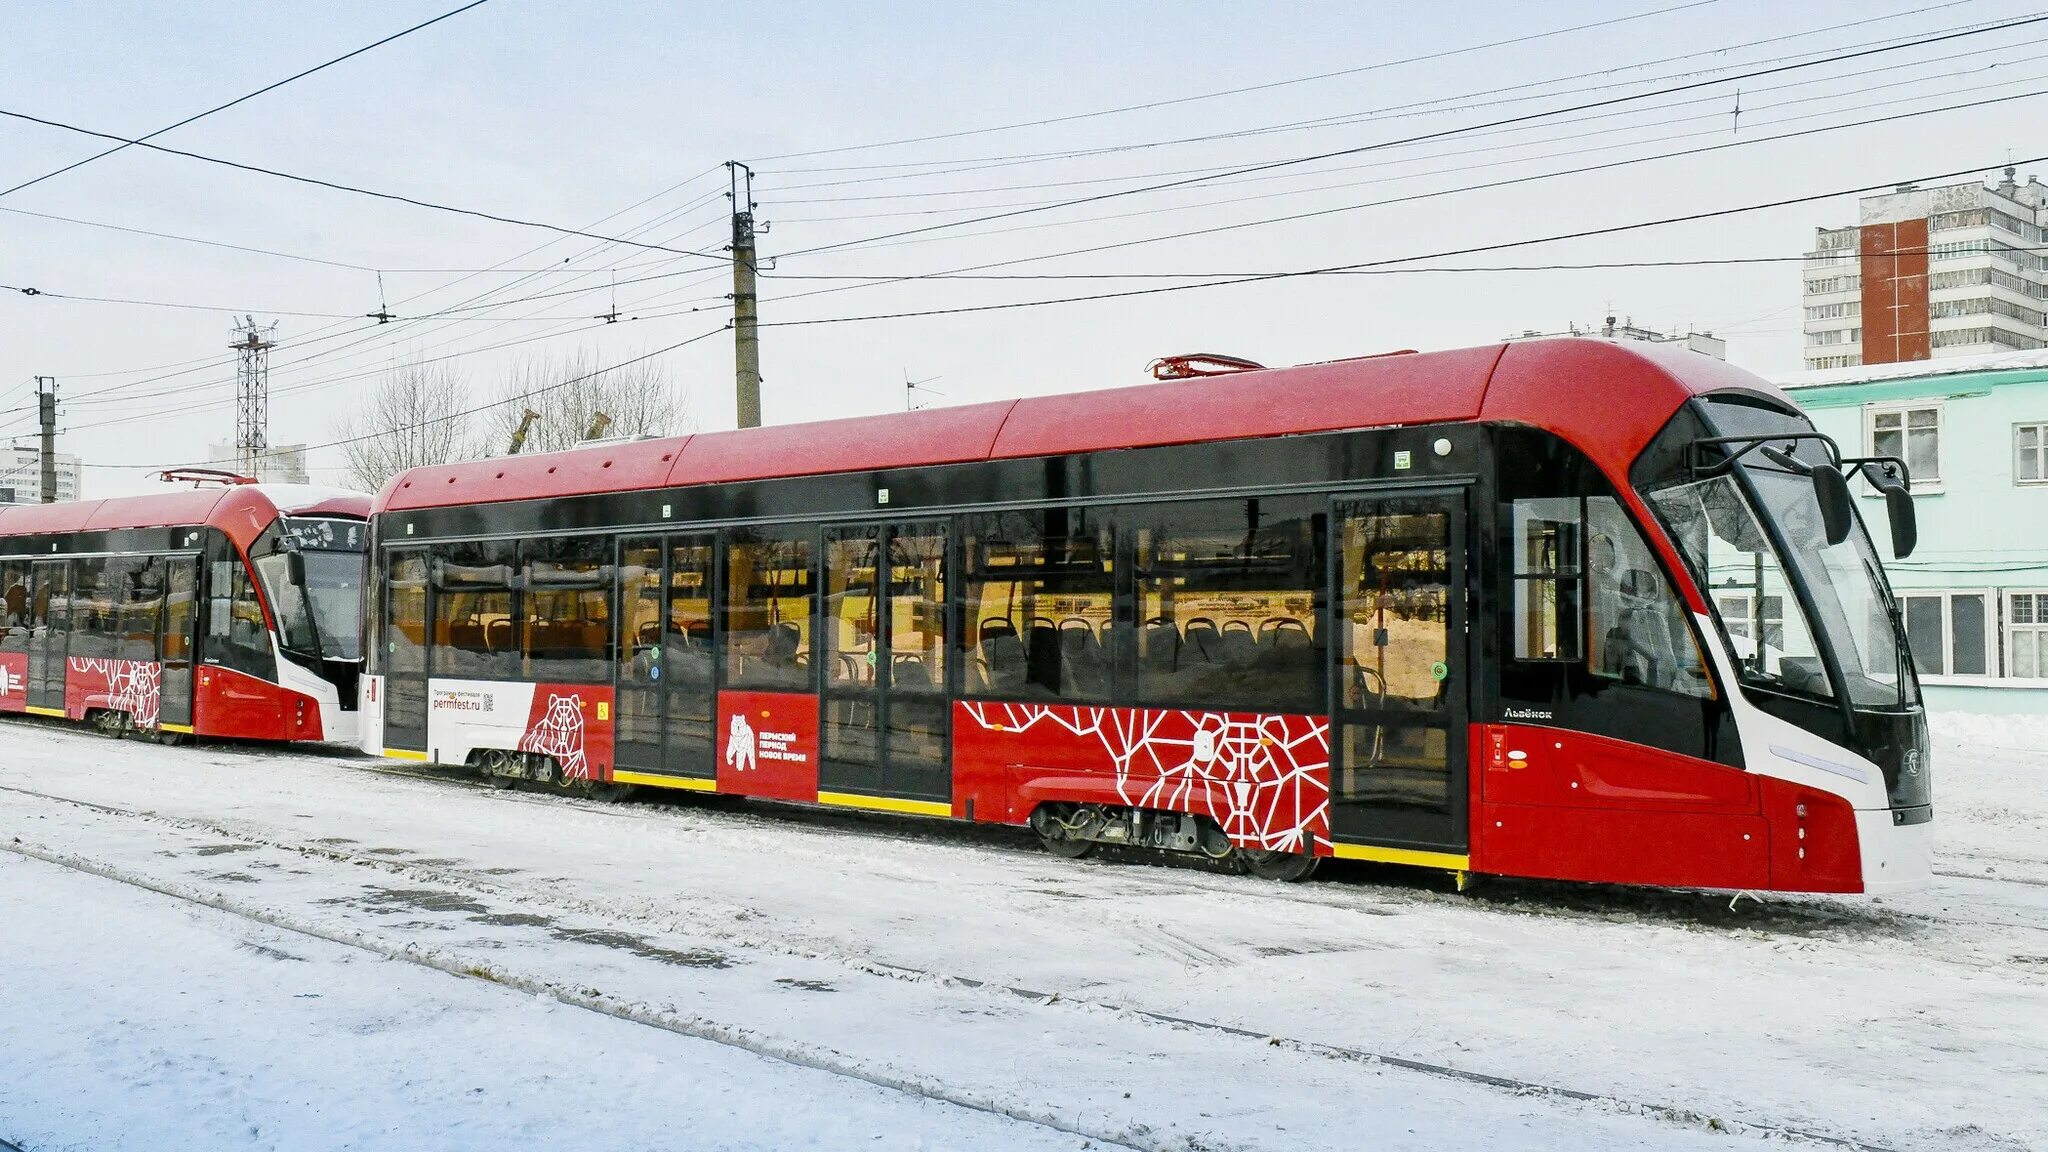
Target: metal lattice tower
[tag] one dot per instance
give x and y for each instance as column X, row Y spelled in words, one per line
column 252, row 387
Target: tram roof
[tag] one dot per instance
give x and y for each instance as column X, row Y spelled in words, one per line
column 241, row 510
column 1609, row 397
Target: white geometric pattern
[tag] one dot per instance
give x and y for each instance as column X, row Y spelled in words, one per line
column 133, row 686
column 1263, row 779
column 559, row 733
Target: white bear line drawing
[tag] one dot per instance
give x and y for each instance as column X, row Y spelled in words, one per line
column 739, row 744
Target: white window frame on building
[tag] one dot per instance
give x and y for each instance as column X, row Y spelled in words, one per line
column 2026, row 631
column 2030, row 457
column 1917, row 603
column 1904, row 410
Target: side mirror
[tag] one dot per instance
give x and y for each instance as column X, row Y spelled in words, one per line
column 295, row 567
column 1837, row 507
column 1898, row 507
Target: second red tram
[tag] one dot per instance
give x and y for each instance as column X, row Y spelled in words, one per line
column 1562, row 609
column 228, row 610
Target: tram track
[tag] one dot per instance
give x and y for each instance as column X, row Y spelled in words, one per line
column 796, row 1052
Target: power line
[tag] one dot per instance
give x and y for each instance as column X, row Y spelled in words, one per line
column 1430, row 194
column 353, row 188
column 1068, row 119
column 1466, row 101
column 1426, row 136
column 245, row 97
column 1593, row 265
column 1888, row 69
column 520, row 398
column 1394, row 260
column 373, row 332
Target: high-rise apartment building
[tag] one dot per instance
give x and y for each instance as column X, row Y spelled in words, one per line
column 1929, row 273
column 21, row 475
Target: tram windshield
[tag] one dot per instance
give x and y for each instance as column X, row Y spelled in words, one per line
column 319, row 607
column 1788, row 600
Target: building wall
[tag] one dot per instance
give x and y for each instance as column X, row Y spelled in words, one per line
column 21, row 469
column 1893, row 264
column 1983, row 527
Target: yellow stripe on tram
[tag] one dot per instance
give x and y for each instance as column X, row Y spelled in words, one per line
column 403, row 754
column 1446, row 860
column 56, row 712
column 886, row 804
column 688, row 783
column 180, row 729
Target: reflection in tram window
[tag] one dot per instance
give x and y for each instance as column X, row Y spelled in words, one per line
column 770, row 602
column 15, row 604
column 917, row 611
column 1040, row 589
column 1547, row 577
column 405, row 599
column 1636, row 625
column 1396, row 588
column 853, row 632
column 566, row 625
column 474, row 634
column 1394, row 766
column 1229, row 593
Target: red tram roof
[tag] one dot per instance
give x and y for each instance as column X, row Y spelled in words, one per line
column 242, row 511
column 1609, row 398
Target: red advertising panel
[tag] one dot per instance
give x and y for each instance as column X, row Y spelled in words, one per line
column 768, row 745
column 573, row 724
column 13, row 681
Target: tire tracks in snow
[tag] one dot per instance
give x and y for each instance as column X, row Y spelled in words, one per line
column 793, row 1052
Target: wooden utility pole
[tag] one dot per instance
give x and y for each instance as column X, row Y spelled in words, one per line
column 746, row 336
column 46, row 409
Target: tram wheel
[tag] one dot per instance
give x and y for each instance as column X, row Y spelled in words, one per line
column 1053, row 835
column 1286, row 867
column 110, row 723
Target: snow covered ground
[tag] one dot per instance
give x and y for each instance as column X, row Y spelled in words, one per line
column 217, row 948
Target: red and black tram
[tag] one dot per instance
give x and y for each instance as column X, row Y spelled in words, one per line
column 232, row 609
column 1565, row 608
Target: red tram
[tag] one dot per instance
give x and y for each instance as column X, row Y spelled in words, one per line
column 222, row 611
column 1564, row 609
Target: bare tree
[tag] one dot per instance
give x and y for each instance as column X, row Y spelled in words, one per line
column 410, row 419
column 568, row 392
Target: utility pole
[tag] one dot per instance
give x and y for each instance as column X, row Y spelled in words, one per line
column 252, row 388
column 746, row 336
column 46, row 409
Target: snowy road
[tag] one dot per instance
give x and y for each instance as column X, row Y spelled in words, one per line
column 215, row 948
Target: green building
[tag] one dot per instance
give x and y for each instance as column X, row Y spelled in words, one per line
column 1975, row 591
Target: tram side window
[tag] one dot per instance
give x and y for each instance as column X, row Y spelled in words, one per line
column 142, row 601
column 1230, row 596
column 17, row 602
column 1547, row 578
column 1635, row 624
column 1040, row 597
column 406, row 605
column 96, row 595
column 770, row 610
column 237, row 637
column 474, row 635
column 567, row 618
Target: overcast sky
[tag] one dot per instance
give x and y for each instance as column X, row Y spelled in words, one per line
column 568, row 113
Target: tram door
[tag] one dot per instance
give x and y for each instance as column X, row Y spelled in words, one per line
column 666, row 689
column 885, row 733
column 49, row 634
column 407, row 623
column 180, row 624
column 1398, row 767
